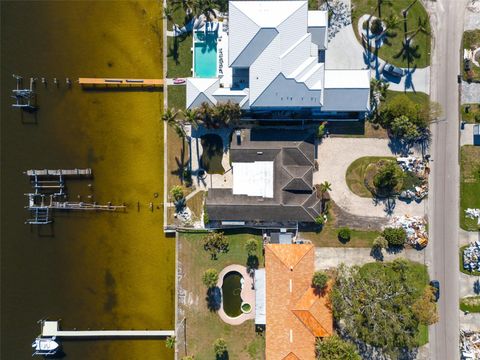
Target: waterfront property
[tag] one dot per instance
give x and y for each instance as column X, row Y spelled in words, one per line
column 270, row 57
column 272, row 181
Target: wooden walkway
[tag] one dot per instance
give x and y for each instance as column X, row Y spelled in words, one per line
column 120, row 82
column 64, row 172
column 51, row 328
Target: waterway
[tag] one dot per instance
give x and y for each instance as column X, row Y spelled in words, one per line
column 95, row 270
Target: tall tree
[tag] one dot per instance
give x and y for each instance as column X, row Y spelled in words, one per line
column 214, row 243
column 325, row 187
column 425, row 308
column 191, row 117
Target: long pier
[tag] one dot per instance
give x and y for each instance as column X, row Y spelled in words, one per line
column 118, row 82
column 60, row 172
column 51, row 328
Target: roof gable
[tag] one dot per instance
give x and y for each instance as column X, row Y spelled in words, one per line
column 289, row 256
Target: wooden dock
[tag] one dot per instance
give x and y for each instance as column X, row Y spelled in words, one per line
column 120, row 82
column 60, row 172
column 51, row 328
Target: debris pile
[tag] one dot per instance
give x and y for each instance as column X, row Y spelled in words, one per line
column 472, row 214
column 420, row 169
column 415, row 227
column 339, row 17
column 470, row 345
column 471, row 257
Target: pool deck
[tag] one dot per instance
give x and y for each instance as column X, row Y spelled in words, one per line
column 247, row 295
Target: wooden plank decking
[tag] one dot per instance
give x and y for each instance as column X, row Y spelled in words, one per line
column 120, row 82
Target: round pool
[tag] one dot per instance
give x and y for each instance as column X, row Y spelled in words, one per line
column 231, row 293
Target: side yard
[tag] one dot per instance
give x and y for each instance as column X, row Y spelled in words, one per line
column 469, row 184
column 470, row 68
column 203, row 326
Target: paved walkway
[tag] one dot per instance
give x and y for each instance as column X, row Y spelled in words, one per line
column 333, row 169
column 247, row 294
column 466, row 135
column 470, row 92
column 326, row 258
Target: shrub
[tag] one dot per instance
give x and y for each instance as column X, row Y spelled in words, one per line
column 319, row 220
column 188, row 357
column 210, row 278
column 177, row 192
column 220, row 347
column 380, row 242
column 170, row 342
column 344, row 234
column 425, row 309
column 334, row 348
column 206, row 219
column 319, row 280
column 376, row 27
column 477, row 118
column 251, row 246
column 387, row 177
column 321, row 130
column 395, row 236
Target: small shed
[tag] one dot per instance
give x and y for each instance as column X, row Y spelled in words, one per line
column 476, row 135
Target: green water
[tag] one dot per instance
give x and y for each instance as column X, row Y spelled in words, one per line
column 95, row 270
column 231, row 290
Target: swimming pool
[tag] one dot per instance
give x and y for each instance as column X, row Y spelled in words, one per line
column 205, row 55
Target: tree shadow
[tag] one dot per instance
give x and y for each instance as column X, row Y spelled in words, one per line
column 252, row 263
column 224, row 356
column 377, row 253
column 476, row 287
column 395, row 249
column 214, row 299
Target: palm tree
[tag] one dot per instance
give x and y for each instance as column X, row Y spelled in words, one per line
column 191, row 117
column 170, row 342
column 187, row 6
column 391, row 21
column 180, row 131
column 379, row 6
column 206, row 7
column 170, row 116
column 325, row 186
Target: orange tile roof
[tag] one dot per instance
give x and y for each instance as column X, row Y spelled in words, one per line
column 296, row 315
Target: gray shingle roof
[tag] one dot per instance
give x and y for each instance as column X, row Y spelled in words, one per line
column 294, row 198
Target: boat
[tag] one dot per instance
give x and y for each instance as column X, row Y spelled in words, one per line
column 45, row 346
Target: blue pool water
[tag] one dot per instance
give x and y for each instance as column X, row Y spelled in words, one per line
column 205, row 55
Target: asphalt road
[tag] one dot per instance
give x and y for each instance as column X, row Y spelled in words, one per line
column 447, row 18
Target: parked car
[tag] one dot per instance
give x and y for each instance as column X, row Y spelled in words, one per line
column 178, row 81
column 435, row 284
column 393, row 70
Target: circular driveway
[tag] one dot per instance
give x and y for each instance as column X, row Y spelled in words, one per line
column 334, row 157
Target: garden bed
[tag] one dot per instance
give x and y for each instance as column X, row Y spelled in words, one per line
column 355, row 176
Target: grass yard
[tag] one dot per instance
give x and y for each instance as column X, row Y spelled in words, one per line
column 418, row 97
column 422, row 336
column 178, row 14
column 470, row 304
column 204, row 326
column 473, row 114
column 460, row 262
column 392, row 51
column 469, row 184
column 179, row 56
column 178, row 157
column 471, row 40
column 328, row 235
column 355, row 175
column 177, row 98
column 195, row 204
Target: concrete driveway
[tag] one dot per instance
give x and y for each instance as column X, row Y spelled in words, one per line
column 334, row 157
column 326, row 258
column 466, row 135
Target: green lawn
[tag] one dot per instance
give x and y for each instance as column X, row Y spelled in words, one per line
column 355, row 175
column 469, row 184
column 418, row 97
column 328, row 235
column 470, row 304
column 422, row 336
column 178, row 16
column 392, row 51
column 472, row 114
column 177, row 95
column 471, row 40
column 460, row 262
column 179, row 56
column 204, row 326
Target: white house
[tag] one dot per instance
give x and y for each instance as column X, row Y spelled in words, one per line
column 270, row 57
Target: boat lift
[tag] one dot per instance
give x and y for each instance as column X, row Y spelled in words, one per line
column 23, row 97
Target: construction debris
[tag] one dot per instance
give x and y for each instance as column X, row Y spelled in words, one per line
column 472, row 214
column 469, row 345
column 420, row 169
column 471, row 257
column 415, row 227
